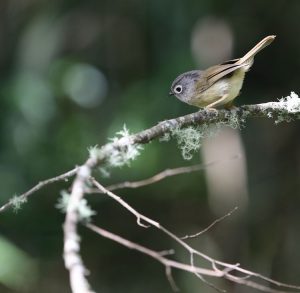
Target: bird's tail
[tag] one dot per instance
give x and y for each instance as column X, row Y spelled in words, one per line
column 258, row 47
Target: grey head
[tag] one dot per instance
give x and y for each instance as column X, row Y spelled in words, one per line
column 184, row 86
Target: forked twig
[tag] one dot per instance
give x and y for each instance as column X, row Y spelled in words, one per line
column 154, row 254
column 227, row 268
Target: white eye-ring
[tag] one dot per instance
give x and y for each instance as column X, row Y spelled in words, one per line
column 178, row 89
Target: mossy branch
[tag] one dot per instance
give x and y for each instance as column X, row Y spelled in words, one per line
column 286, row 109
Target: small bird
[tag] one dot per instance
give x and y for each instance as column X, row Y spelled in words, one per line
column 219, row 85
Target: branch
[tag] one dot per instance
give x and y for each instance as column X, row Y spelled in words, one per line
column 269, row 110
column 23, row 197
column 211, row 225
column 120, row 151
column 167, row 173
column 73, row 261
column 168, row 263
column 154, row 254
column 226, row 267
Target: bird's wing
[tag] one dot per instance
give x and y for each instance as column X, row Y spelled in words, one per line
column 215, row 73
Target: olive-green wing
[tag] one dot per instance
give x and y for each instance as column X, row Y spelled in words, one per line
column 213, row 74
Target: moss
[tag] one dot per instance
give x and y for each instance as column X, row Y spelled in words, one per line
column 84, row 210
column 17, row 202
column 289, row 108
column 121, row 151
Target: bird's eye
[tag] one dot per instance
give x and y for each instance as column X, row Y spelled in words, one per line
column 178, row 89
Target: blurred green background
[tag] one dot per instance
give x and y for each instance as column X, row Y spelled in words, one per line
column 73, row 72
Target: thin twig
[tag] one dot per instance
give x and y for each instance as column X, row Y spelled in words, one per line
column 211, row 225
column 117, row 198
column 254, row 285
column 167, row 173
column 37, row 187
column 171, row 279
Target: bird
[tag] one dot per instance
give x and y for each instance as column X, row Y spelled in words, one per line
column 218, row 85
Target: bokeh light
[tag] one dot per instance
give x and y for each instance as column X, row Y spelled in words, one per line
column 85, row 85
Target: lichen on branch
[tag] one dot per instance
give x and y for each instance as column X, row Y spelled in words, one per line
column 191, row 128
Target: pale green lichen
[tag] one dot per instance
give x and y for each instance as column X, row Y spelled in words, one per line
column 234, row 120
column 291, row 102
column 63, row 201
column 289, row 105
column 121, row 151
column 104, row 172
column 17, row 202
column 93, row 152
column 84, row 210
column 125, row 152
column 189, row 139
column 166, row 137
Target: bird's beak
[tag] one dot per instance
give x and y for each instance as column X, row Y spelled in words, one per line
column 171, row 93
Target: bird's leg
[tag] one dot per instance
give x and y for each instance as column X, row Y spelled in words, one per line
column 211, row 105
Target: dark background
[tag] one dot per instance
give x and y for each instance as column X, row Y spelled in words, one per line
column 73, row 72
